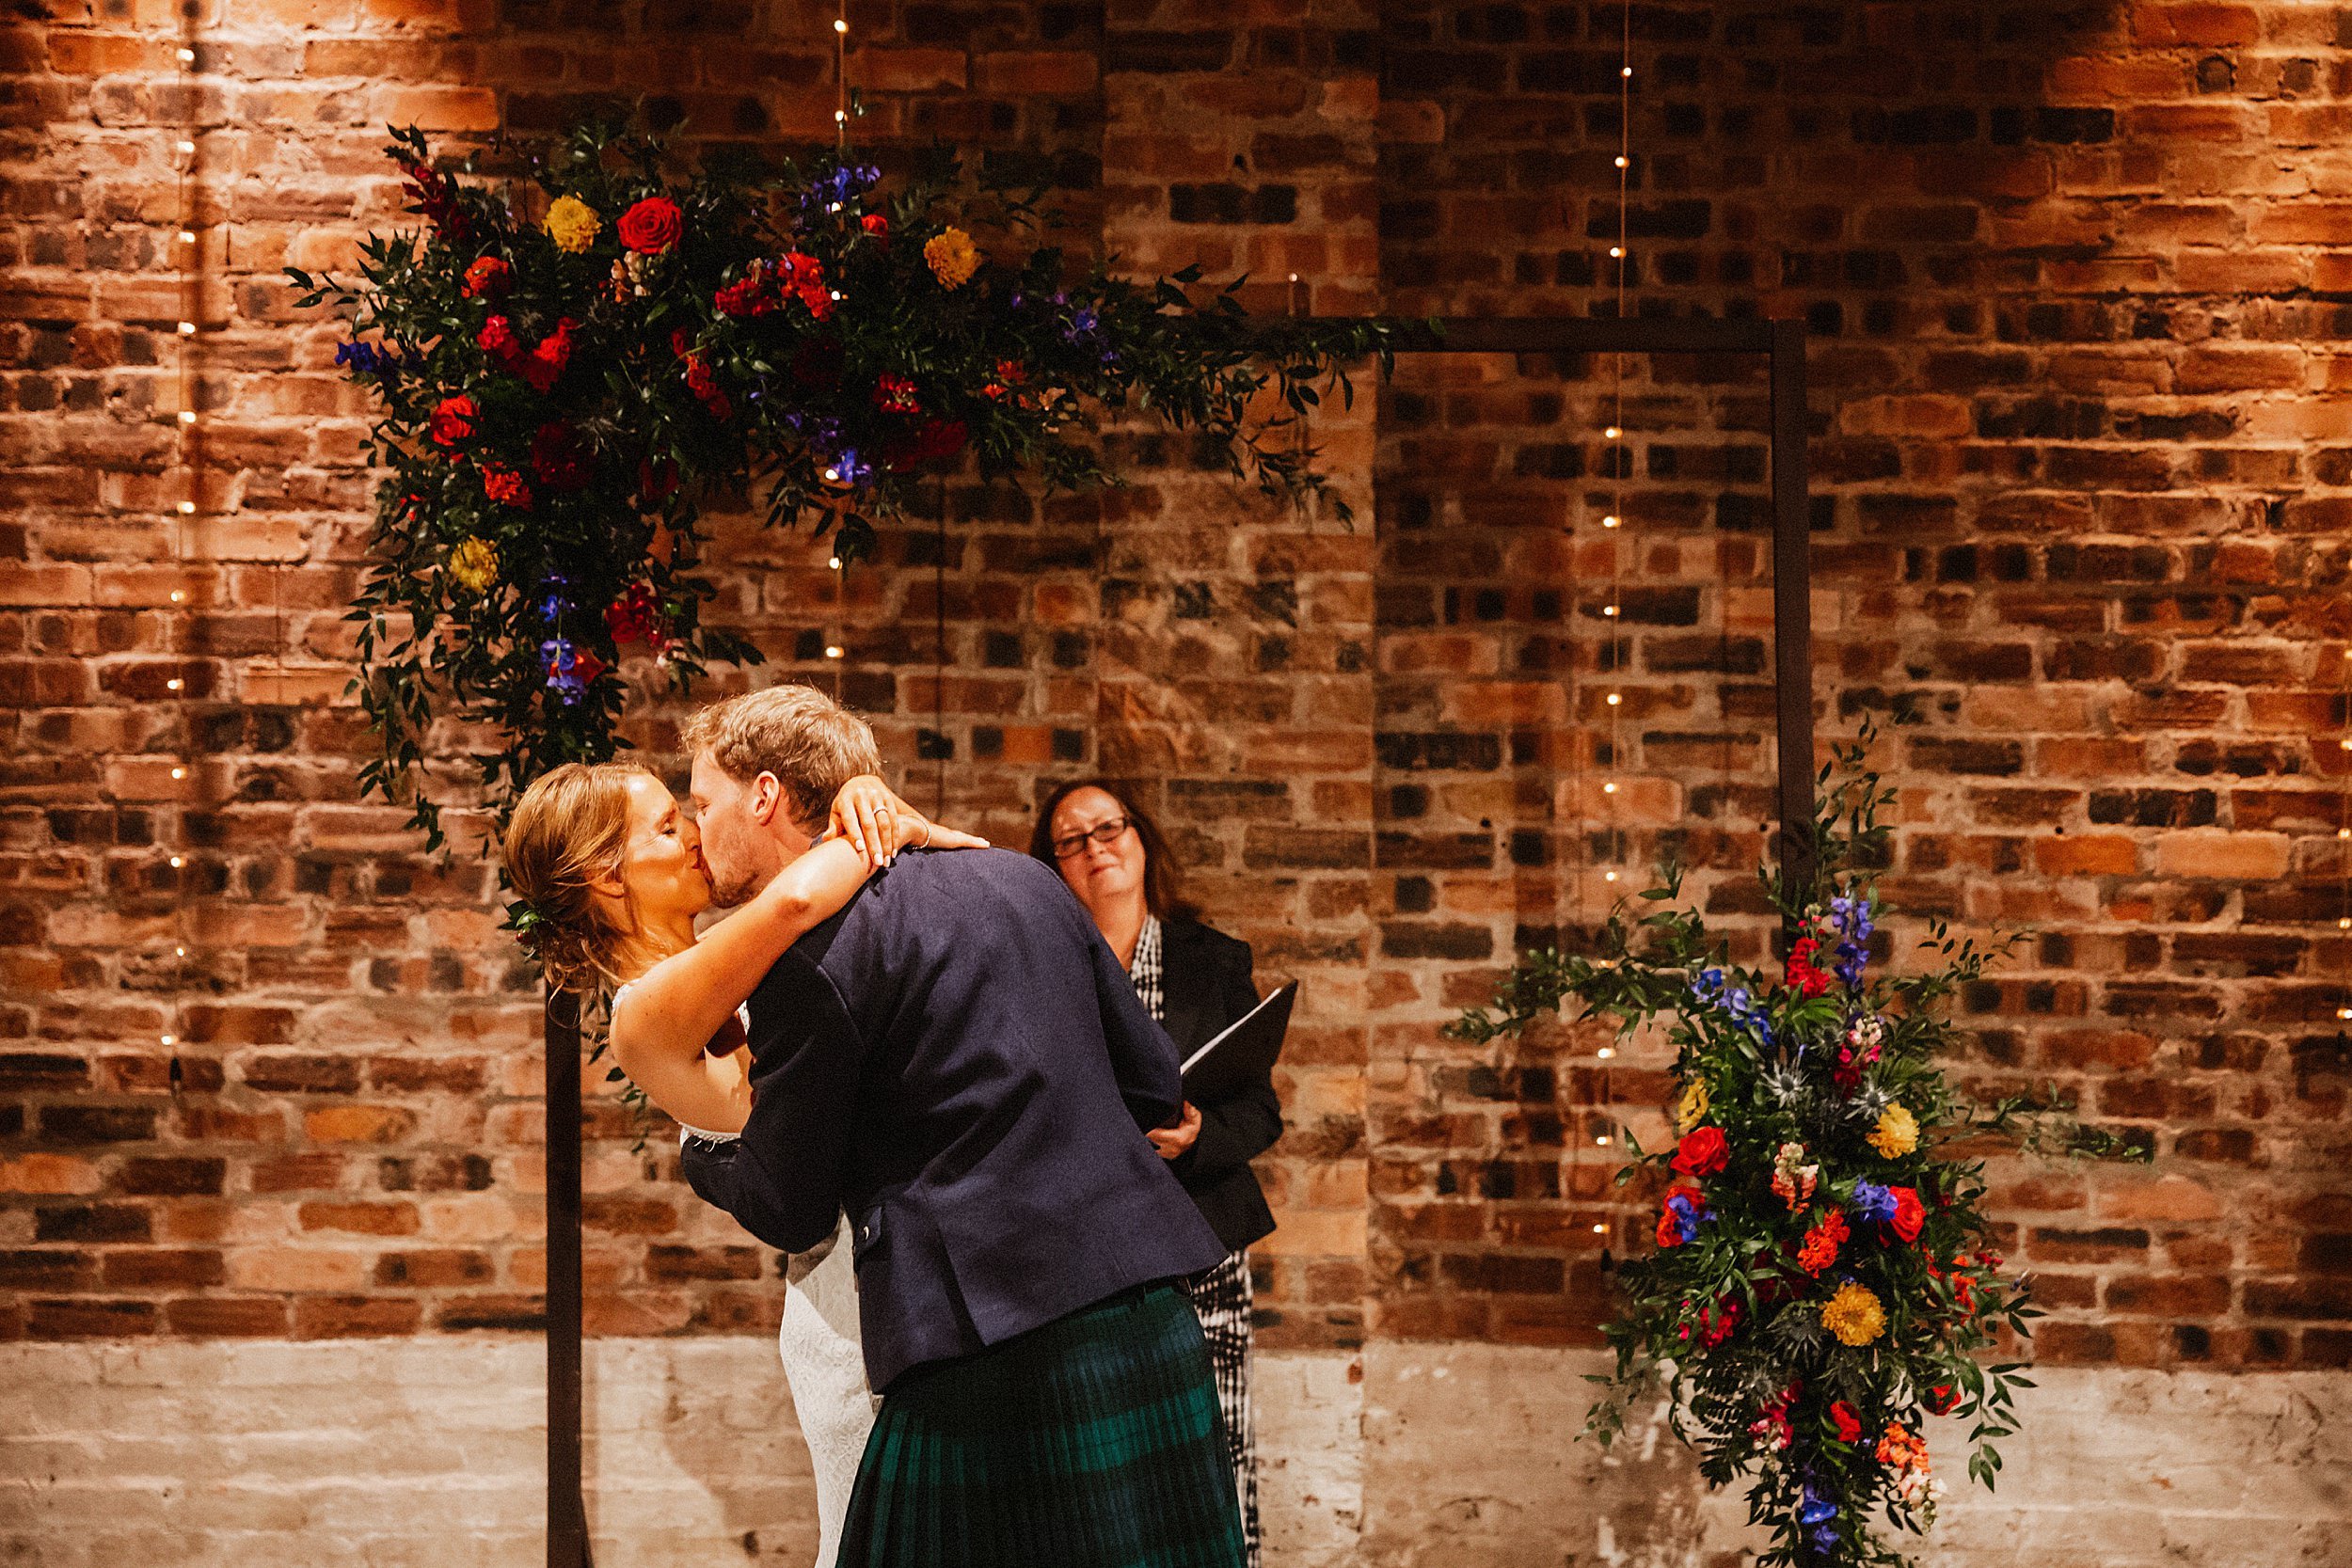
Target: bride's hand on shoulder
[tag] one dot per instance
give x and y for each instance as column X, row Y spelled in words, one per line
column 878, row 824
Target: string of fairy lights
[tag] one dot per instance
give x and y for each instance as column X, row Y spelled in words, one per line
column 185, row 256
column 1617, row 461
column 836, row 635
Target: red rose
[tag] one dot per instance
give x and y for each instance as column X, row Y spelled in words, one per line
column 1941, row 1398
column 453, row 420
column 1910, row 1214
column 876, row 225
column 634, row 617
column 506, row 488
column 1849, row 1424
column 489, row 278
column 560, row 458
column 1703, row 1151
column 1669, row 1230
column 652, row 226
column 548, row 361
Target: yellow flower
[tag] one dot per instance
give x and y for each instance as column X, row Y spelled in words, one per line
column 1853, row 1314
column 572, row 224
column 1898, row 1133
column 475, row 563
column 952, row 257
column 1693, row 1110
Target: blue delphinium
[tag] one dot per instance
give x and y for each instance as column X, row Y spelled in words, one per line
column 1850, row 916
column 368, row 358
column 836, row 188
column 1708, row 986
column 564, row 675
column 1873, row 1202
column 1818, row 1512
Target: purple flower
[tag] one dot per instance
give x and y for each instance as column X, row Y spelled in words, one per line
column 565, row 674
column 1850, row 916
column 367, row 359
column 554, row 606
column 838, row 186
column 1873, row 1202
column 1818, row 1512
column 1708, row 986
column 1688, row 1216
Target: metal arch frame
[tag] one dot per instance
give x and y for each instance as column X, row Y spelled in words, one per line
column 1781, row 341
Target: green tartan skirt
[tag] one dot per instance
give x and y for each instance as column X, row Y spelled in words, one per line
column 1093, row 1442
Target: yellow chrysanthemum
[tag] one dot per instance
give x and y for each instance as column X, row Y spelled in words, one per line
column 1854, row 1315
column 1693, row 1108
column 475, row 563
column 572, row 224
column 1898, row 1133
column 953, row 258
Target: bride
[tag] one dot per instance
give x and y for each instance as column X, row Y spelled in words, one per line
column 611, row 876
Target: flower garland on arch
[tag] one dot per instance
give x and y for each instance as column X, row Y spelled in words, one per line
column 558, row 395
column 1823, row 1278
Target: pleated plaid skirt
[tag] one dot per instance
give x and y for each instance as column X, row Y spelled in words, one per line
column 1093, row 1442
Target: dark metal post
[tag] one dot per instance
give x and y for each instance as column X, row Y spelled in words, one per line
column 568, row 1512
column 1792, row 603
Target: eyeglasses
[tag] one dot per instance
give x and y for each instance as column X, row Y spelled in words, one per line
column 1101, row 832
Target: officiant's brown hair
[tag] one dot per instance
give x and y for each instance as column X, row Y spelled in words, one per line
column 811, row 743
column 1163, row 885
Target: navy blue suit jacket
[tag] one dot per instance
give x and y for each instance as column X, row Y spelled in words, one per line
column 959, row 1061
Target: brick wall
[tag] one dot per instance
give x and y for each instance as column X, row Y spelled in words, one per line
column 2080, row 470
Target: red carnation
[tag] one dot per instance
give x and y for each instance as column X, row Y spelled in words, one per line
column 489, row 278
column 1822, row 1243
column 548, row 361
column 803, row 276
column 1910, row 1214
column 1703, row 1151
column 635, row 616
column 1804, row 976
column 560, row 458
column 657, row 479
column 506, row 487
column 1849, row 1424
column 876, row 225
column 895, row 394
column 453, row 420
column 497, row 339
column 748, row 297
column 652, row 226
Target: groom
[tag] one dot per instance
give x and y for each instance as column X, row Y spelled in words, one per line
column 958, row 1060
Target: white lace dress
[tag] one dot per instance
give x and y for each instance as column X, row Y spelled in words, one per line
column 824, row 1364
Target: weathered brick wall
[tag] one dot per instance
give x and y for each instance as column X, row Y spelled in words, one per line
column 2078, row 457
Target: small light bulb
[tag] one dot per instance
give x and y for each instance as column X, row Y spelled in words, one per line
column 2344, row 924
column 833, row 473
column 1609, row 521
column 187, row 329
column 171, row 1040
column 1615, row 698
column 1609, row 877
column 833, row 206
column 840, row 23
column 186, row 508
column 178, row 952
column 186, row 55
column 1616, row 253
column 1625, row 71
column 177, row 595
column 2344, row 832
column 179, row 773
column 1609, row 789
column 834, row 564
column 187, row 415
column 177, row 862
column 187, row 236
column 2345, row 743
column 1609, row 610
column 836, row 293
column 840, row 116
column 1613, row 432
column 1621, row 160
column 2343, row 1012
column 1603, row 1140
column 833, row 650
column 1600, row 1230
column 188, row 147
column 174, row 684
column 1606, row 1051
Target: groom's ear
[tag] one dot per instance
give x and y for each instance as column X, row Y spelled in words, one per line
column 767, row 799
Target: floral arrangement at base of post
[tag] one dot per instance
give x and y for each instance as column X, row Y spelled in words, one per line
column 561, row 381
column 1823, row 1280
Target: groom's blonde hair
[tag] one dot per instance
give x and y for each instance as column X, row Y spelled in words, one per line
column 811, row 743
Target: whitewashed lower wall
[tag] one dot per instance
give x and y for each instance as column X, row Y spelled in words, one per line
column 427, row 1454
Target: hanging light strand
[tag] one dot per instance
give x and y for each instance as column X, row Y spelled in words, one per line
column 841, row 79
column 185, row 254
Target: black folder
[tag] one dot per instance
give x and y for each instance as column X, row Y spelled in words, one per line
column 1244, row 1054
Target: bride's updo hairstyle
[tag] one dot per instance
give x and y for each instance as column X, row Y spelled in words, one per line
column 570, row 827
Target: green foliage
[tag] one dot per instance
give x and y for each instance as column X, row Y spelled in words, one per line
column 1803, row 1360
column 797, row 335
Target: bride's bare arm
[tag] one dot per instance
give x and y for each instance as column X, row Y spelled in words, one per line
column 662, row 1021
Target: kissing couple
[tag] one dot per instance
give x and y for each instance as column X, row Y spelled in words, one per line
column 910, row 1062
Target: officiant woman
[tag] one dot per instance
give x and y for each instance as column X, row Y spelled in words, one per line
column 1195, row 981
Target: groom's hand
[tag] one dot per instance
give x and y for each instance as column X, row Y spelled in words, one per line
column 1172, row 1141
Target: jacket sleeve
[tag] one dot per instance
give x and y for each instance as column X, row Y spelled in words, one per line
column 1243, row 1126
column 1143, row 1058
column 783, row 1179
